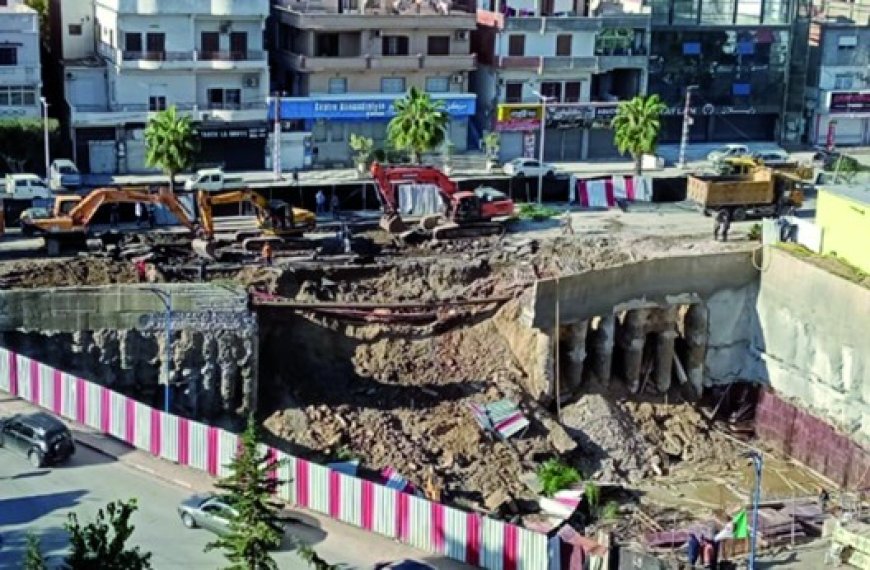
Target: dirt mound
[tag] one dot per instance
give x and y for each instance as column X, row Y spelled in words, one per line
column 612, row 448
column 79, row 271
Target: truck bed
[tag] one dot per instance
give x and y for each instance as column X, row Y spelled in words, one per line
column 716, row 191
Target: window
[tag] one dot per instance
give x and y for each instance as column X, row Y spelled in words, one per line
column 563, row 44
column 336, row 131
column 438, row 45
column 326, row 45
column 157, row 103
column 337, row 85
column 319, row 131
column 572, row 92
column 552, row 90
column 14, row 95
column 513, row 92
column 239, row 46
column 4, row 3
column 8, row 56
column 394, row 45
column 847, row 42
column 843, row 81
column 133, row 43
column 75, row 29
column 210, row 44
column 516, row 44
column 392, row 85
column 437, row 84
column 230, row 99
column 156, row 44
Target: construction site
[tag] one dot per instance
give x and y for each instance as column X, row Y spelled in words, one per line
column 467, row 354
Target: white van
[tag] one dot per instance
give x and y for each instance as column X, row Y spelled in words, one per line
column 26, row 187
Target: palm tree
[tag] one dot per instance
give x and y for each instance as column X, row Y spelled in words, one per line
column 170, row 142
column 420, row 124
column 636, row 127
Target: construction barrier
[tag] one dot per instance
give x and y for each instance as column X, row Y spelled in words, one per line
column 811, row 441
column 433, row 527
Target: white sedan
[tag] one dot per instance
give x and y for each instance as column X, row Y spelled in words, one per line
column 528, row 167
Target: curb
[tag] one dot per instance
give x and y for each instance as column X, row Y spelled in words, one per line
column 135, row 465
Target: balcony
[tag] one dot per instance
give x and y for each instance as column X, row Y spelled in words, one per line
column 550, row 63
column 229, row 8
column 110, row 115
column 431, row 16
column 568, row 23
column 22, row 74
column 630, row 58
column 312, row 64
column 192, row 59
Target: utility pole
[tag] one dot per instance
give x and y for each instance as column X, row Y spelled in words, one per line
column 543, row 99
column 276, row 138
column 687, row 124
column 758, row 463
column 44, row 103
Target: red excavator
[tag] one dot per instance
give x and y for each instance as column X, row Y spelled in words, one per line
column 465, row 214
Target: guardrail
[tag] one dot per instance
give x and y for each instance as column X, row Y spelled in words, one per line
column 440, row 529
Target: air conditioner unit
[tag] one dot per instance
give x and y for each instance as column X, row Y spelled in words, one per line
column 225, row 27
column 458, row 78
column 462, row 35
column 252, row 81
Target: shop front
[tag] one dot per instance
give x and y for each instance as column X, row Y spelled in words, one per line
column 331, row 119
column 844, row 119
column 519, row 126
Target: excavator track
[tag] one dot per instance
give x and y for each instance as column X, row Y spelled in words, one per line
column 468, row 231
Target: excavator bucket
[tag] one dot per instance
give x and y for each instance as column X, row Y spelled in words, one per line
column 392, row 224
column 204, row 248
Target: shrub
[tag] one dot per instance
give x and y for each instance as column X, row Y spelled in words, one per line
column 554, row 475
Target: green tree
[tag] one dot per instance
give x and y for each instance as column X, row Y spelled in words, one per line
column 169, row 140
column 420, row 124
column 249, row 488
column 22, row 143
column 33, row 559
column 102, row 544
column 636, row 127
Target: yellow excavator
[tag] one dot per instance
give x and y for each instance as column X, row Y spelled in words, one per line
column 278, row 223
column 745, row 165
column 68, row 224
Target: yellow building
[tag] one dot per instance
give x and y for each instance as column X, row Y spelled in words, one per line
column 843, row 213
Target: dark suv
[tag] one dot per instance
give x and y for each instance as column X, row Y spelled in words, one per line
column 42, row 438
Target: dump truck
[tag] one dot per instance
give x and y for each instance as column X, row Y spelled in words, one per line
column 762, row 192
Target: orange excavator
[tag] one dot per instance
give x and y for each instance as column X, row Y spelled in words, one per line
column 71, row 215
column 278, row 223
column 464, row 213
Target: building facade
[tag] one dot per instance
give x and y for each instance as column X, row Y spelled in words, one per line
column 124, row 60
column 838, row 91
column 743, row 56
column 563, row 60
column 342, row 63
column 20, row 71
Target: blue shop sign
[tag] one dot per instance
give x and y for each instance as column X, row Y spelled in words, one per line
column 371, row 107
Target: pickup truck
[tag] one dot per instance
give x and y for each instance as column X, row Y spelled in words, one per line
column 26, row 187
column 64, row 174
column 213, row 180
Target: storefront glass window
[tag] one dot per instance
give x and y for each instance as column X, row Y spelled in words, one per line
column 685, row 11
column 717, row 11
column 748, row 11
column 776, row 12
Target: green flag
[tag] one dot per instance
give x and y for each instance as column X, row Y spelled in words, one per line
column 741, row 525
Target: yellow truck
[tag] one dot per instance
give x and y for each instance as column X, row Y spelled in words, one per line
column 761, row 192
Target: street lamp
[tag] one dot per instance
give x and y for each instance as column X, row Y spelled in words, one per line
column 687, row 123
column 166, row 298
column 544, row 100
column 44, row 103
column 758, row 463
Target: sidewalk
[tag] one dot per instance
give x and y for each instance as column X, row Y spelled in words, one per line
column 341, row 540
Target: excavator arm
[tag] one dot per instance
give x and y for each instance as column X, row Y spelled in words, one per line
column 298, row 219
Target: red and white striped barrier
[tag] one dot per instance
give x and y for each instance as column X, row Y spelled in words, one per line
column 604, row 192
column 433, row 527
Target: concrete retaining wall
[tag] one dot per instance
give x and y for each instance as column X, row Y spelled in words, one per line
column 812, row 337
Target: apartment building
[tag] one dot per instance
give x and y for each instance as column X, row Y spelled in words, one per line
column 123, row 60
column 342, row 64
column 20, row 73
column 838, row 88
column 563, row 58
column 747, row 60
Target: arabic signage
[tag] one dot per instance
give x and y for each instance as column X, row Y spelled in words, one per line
column 363, row 107
column 580, row 115
column 252, row 133
column 514, row 117
column 849, row 101
column 709, row 109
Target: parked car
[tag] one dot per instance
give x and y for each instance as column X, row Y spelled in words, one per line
column 64, row 174
column 728, row 150
column 40, row 437
column 528, row 167
column 26, row 187
column 772, row 157
column 211, row 512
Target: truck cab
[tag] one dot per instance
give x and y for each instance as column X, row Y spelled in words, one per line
column 26, row 187
column 212, row 180
column 64, row 174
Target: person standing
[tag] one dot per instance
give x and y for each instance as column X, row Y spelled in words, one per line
column 723, row 224
column 140, row 214
column 267, row 254
column 693, row 551
column 320, row 199
column 335, row 206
